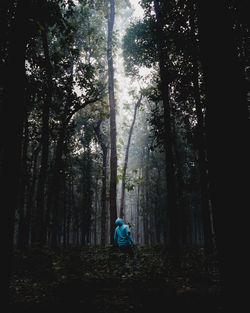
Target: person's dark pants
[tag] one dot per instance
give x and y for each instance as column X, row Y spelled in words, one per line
column 127, row 251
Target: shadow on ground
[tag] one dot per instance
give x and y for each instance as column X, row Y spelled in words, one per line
column 123, row 296
column 88, row 280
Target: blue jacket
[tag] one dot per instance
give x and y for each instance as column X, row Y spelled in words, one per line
column 122, row 236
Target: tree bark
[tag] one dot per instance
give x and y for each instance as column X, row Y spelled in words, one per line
column 104, row 182
column 29, row 229
column 104, row 196
column 21, row 243
column 40, row 227
column 172, row 206
column 146, row 197
column 228, row 154
column 104, row 185
column 112, row 106
column 55, row 188
column 12, row 109
column 206, row 214
column 180, row 189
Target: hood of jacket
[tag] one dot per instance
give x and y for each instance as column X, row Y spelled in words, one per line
column 119, row 222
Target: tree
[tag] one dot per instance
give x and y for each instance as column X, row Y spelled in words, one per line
column 171, row 183
column 125, row 164
column 10, row 140
column 112, row 105
column 104, row 146
column 207, row 225
column 227, row 136
column 40, row 205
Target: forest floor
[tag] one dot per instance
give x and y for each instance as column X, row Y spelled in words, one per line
column 89, row 280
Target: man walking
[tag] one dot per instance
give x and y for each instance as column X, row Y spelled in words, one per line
column 124, row 240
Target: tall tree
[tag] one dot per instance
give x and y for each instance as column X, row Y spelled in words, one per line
column 125, row 164
column 40, row 205
column 112, row 106
column 207, row 225
column 11, row 134
column 171, row 183
column 227, row 129
column 104, row 147
column 58, row 166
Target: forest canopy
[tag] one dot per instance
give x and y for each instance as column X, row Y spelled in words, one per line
column 107, row 112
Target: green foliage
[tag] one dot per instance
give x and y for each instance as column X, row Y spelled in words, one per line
column 120, row 170
column 129, row 186
column 139, row 47
column 121, row 141
column 118, row 178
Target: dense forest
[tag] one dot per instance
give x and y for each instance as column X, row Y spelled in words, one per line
column 131, row 109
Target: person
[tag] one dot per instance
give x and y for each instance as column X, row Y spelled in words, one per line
column 124, row 240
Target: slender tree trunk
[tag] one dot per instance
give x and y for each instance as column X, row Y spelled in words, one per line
column 51, row 215
column 29, row 229
column 138, row 212
column 23, row 185
column 55, row 189
column 179, row 183
column 104, row 182
column 64, row 231
column 71, row 206
column 11, row 133
column 227, row 129
column 112, row 106
column 157, row 211
column 104, row 195
column 125, row 165
column 40, row 231
column 206, row 215
column 95, row 210
column 87, row 195
column 171, row 183
column 146, row 205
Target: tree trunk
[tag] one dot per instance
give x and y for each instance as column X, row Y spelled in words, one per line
column 23, row 186
column 95, row 210
column 157, row 211
column 104, row 181
column 170, row 177
column 55, row 188
column 206, row 215
column 40, row 231
column 29, row 229
column 126, row 159
column 138, row 210
column 65, row 205
column 71, row 205
column 146, row 202
column 12, row 109
column 104, row 195
column 112, row 106
column 179, row 183
column 228, row 154
column 86, row 195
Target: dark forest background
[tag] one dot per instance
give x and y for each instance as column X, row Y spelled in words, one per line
column 176, row 169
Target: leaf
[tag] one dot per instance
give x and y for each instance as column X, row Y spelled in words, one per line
column 40, row 26
column 121, row 141
column 118, row 177
column 130, row 187
column 134, row 170
column 120, row 170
